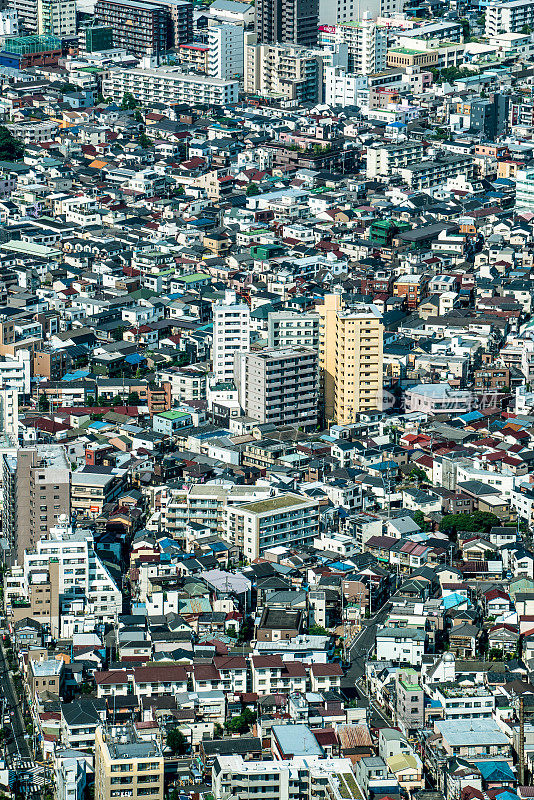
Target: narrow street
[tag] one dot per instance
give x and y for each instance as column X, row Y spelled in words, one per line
column 16, row 746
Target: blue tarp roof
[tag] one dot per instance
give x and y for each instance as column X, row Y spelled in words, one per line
column 495, row 770
column 76, row 375
column 471, row 416
column 135, row 358
column 455, row 599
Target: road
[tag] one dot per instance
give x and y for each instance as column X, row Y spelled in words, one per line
column 16, row 743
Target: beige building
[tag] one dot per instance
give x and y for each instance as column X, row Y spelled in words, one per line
column 127, row 766
column 36, row 486
column 350, row 359
column 276, row 521
column 283, row 70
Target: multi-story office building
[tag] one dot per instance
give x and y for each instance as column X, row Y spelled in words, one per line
column 226, row 51
column 282, row 520
column 169, row 85
column 509, row 17
column 140, row 27
column 36, row 486
column 231, row 334
column 287, row 21
column 350, row 359
column 281, row 69
column 126, row 765
column 292, row 329
column 385, row 160
column 279, row 386
column 56, row 17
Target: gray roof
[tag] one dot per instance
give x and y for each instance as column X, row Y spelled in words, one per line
column 463, row 732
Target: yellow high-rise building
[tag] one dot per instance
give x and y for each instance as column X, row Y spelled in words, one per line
column 350, row 359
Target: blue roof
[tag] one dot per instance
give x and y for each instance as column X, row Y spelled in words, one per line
column 454, row 599
column 135, row 358
column 495, row 771
column 297, row 740
column 384, row 466
column 342, row 565
column 471, row 416
column 97, row 424
column 76, row 375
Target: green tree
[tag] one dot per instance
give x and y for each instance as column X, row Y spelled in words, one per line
column 466, row 29
column 452, row 523
column 242, row 723
column 526, row 29
column 418, row 473
column 317, row 630
column 44, row 404
column 133, row 399
column 11, row 149
column 145, row 141
column 419, row 517
column 118, row 332
column 177, row 742
column 485, row 521
column 252, row 190
column 138, row 116
column 128, row 102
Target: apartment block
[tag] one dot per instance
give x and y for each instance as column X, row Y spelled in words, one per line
column 292, row 329
column 36, row 485
column 428, row 174
column 280, row 69
column 385, row 160
column 366, row 44
column 92, row 490
column 225, row 51
column 142, row 28
column 281, row 520
column 231, row 334
column 279, row 386
column 181, row 12
column 341, row 88
column 509, row 17
column 350, row 359
column 56, row 17
column 410, row 702
column 287, row 21
column 126, row 765
column 169, row 85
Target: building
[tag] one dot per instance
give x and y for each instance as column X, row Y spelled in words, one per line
column 337, row 12
column 292, row 329
column 26, row 12
column 341, row 88
column 70, row 773
column 295, row 777
column 169, row 85
column 140, row 27
column 15, row 372
column 231, row 334
column 385, row 160
column 96, row 38
column 279, row 386
column 36, row 487
column 350, row 359
column 92, row 490
column 410, row 709
column 365, row 41
column 9, row 413
column 508, row 17
column 9, row 22
column 121, row 757
column 225, row 51
column 287, row 22
column 283, row 70
column 429, row 174
column 181, row 12
column 524, row 189
column 438, row 398
column 56, row 17
column 264, row 524
column 405, row 645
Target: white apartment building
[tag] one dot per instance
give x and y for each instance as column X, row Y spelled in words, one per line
column 524, row 189
column 169, row 85
column 385, row 160
column 56, row 17
column 509, row 17
column 366, row 44
column 342, row 88
column 231, row 334
column 281, row 520
column 337, row 12
column 226, row 51
column 9, row 22
column 295, row 73
column 292, row 329
column 88, row 594
column 15, row 372
column 9, row 413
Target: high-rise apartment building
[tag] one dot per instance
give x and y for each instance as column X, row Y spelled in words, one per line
column 231, row 334
column 9, row 413
column 350, row 358
column 56, row 17
column 181, row 12
column 142, row 28
column 508, row 17
column 126, row 765
column 287, row 22
column 36, row 486
column 295, row 73
column 279, row 386
column 292, row 329
column 225, row 51
column 366, row 43
column 26, row 11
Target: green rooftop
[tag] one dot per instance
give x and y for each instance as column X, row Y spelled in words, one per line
column 272, row 504
column 173, row 414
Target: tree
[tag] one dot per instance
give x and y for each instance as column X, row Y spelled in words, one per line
column 419, row 518
column 317, row 630
column 242, row 723
column 452, row 523
column 495, row 654
column 466, row 29
column 44, row 404
column 419, row 474
column 252, row 190
column 138, row 116
column 11, row 149
column 145, row 141
column 485, row 520
column 177, row 742
column 118, row 332
column 526, row 29
column 133, row 399
column 128, row 102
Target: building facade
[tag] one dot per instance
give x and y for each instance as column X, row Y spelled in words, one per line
column 287, row 21
column 169, row 86
column 231, row 334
